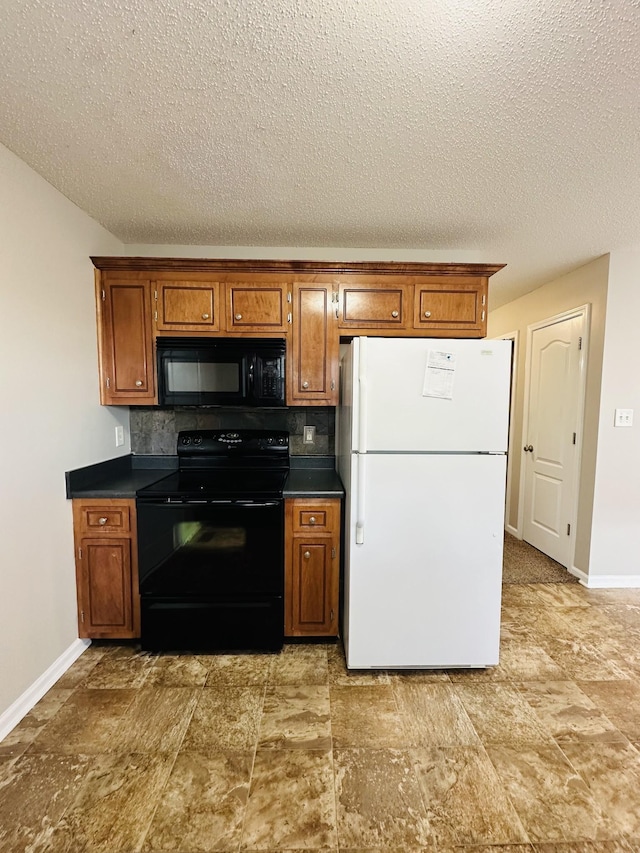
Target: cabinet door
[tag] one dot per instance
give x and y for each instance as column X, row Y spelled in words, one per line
column 187, row 306
column 374, row 307
column 126, row 343
column 451, row 307
column 255, row 307
column 106, row 568
column 313, row 362
column 312, row 568
column 104, row 588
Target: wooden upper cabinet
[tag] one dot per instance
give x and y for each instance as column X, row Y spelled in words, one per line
column 310, row 303
column 447, row 306
column 255, row 306
column 125, row 341
column 313, row 357
column 374, row 306
column 187, row 306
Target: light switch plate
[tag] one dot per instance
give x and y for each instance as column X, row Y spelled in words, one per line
column 623, row 418
column 119, row 436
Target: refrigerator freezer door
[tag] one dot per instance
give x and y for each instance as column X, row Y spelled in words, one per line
column 395, row 377
column 423, row 590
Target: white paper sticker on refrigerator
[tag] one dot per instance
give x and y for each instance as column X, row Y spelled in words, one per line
column 439, row 375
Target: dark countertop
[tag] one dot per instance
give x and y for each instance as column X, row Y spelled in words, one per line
column 310, row 476
column 313, row 477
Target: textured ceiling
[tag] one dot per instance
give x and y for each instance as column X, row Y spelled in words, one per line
column 505, row 129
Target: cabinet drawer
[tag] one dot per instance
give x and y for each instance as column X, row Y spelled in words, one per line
column 374, row 307
column 187, row 306
column 99, row 520
column 254, row 307
column 319, row 517
column 443, row 307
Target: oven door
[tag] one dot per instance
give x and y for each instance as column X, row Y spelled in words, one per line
column 211, row 574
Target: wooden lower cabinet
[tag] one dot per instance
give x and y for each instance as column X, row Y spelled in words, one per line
column 312, row 567
column 106, row 568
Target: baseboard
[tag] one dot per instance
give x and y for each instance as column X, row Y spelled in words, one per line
column 512, row 530
column 10, row 718
column 611, row 581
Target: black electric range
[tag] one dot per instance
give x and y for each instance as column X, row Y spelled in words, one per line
column 211, row 544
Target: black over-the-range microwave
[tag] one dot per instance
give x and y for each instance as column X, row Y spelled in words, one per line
column 221, row 371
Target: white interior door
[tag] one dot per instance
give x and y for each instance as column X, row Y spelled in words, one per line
column 551, row 435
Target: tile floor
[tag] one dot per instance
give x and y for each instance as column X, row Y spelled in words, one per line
column 135, row 752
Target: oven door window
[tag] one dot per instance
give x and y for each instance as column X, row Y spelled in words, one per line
column 211, row 549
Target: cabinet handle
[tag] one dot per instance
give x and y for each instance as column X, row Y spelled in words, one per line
column 138, row 383
column 427, row 314
column 238, row 317
column 394, row 313
column 307, row 555
column 102, row 520
column 205, row 316
column 312, row 520
column 305, row 384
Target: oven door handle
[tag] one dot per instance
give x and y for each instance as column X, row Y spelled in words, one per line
column 256, row 503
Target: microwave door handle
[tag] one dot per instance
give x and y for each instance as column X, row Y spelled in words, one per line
column 251, row 376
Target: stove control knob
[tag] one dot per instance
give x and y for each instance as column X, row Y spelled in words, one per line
column 197, row 440
column 185, row 440
column 282, row 440
column 270, row 440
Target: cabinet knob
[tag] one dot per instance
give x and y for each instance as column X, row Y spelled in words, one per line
column 394, row 313
column 205, row 316
column 138, row 383
column 238, row 317
column 427, row 314
column 312, row 520
column 307, row 555
column 102, row 520
column 305, row 384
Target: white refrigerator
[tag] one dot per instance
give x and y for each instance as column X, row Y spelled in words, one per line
column 422, row 433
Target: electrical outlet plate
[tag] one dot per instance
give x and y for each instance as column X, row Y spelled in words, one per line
column 308, row 434
column 119, row 436
column 623, row 418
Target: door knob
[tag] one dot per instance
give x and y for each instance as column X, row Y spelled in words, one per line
column 205, row 316
column 238, row 317
column 138, row 383
column 394, row 313
column 528, row 448
column 427, row 314
column 307, row 555
column 305, row 384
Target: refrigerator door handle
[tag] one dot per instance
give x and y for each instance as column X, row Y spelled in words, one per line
column 360, row 492
column 362, row 394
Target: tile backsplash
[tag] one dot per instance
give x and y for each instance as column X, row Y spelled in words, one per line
column 155, row 431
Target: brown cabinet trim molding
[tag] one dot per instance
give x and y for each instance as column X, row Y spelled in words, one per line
column 284, row 266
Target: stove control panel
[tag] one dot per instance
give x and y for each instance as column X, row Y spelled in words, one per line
column 197, row 443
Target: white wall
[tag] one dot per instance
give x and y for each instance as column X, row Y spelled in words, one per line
column 615, row 541
column 51, row 418
column 298, row 253
column 588, row 284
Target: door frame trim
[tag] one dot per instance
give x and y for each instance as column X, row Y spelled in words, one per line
column 514, row 337
column 583, row 311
